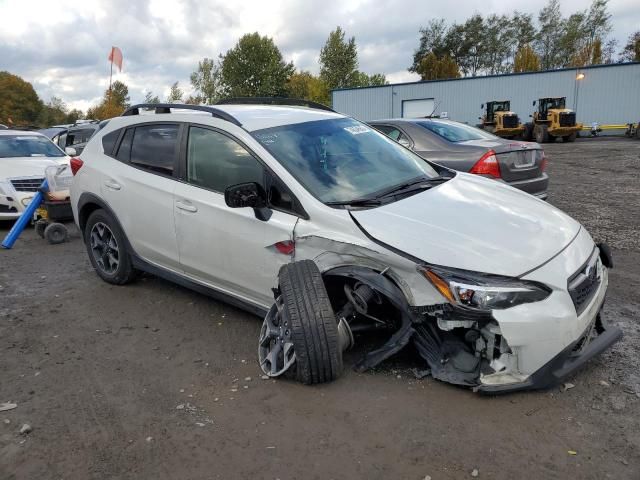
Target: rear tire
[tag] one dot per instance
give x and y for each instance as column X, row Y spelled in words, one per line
column 56, row 233
column 527, row 135
column 570, row 138
column 541, row 133
column 107, row 249
column 307, row 309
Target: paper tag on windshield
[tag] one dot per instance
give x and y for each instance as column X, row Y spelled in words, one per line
column 357, row 129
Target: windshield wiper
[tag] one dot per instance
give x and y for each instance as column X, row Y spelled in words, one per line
column 357, row 202
column 414, row 186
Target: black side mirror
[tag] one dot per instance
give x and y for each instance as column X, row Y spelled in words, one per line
column 533, row 104
column 481, row 106
column 248, row 195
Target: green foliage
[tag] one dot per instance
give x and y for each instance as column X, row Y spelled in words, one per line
column 526, row 60
column 151, row 98
column 206, row 82
column 19, row 102
column 114, row 102
column 306, row 86
column 433, row 68
column 489, row 44
column 339, row 61
column 596, row 52
column 175, row 94
column 631, row 51
column 254, row 68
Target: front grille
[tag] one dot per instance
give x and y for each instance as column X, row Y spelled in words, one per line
column 510, row 121
column 27, row 184
column 584, row 284
column 567, row 119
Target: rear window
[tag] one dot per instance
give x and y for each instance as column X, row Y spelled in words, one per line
column 455, row 132
column 76, row 137
column 155, row 147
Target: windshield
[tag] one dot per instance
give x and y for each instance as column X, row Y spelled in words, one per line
column 341, row 160
column 455, row 132
column 555, row 103
column 27, row 146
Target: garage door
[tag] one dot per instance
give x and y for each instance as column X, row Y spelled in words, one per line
column 417, row 108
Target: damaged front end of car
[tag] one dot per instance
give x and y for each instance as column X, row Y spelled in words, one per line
column 460, row 338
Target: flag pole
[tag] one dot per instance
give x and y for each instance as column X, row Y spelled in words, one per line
column 110, row 76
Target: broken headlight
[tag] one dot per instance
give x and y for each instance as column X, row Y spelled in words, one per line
column 483, row 291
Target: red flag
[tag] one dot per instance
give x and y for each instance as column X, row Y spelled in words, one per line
column 115, row 57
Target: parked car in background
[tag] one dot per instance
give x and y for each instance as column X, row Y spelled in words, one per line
column 24, row 155
column 333, row 230
column 469, row 149
column 76, row 135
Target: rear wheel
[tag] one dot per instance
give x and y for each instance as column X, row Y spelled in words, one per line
column 541, row 133
column 570, row 138
column 107, row 249
column 56, row 233
column 301, row 331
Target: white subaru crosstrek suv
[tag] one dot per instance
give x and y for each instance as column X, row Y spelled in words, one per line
column 24, row 156
column 330, row 230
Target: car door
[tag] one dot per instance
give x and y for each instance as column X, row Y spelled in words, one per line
column 229, row 248
column 139, row 189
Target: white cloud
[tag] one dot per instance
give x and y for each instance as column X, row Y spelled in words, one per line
column 62, row 46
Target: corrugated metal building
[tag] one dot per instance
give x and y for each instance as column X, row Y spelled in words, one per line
column 608, row 94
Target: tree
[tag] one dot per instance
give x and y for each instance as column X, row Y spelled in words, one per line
column 74, row 115
column 206, row 82
column 19, row 102
column 432, row 39
column 433, row 68
column 151, row 98
column 596, row 52
column 254, row 67
column 306, row 86
column 631, row 51
column 549, row 36
column 53, row 113
column 526, row 60
column 339, row 61
column 175, row 94
column 113, row 103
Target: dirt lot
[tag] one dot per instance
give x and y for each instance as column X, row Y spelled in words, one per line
column 152, row 380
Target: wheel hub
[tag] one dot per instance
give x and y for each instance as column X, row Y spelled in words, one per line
column 104, row 248
column 275, row 348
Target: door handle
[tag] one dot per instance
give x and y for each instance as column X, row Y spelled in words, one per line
column 187, row 207
column 112, row 184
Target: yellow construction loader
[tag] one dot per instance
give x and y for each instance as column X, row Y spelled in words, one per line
column 500, row 120
column 552, row 120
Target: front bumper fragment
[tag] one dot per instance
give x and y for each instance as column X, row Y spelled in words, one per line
column 565, row 363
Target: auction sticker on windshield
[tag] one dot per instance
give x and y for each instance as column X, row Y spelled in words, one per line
column 357, row 129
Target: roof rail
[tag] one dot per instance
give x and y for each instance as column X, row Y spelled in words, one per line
column 166, row 108
column 292, row 102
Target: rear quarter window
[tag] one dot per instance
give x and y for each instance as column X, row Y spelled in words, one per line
column 109, row 142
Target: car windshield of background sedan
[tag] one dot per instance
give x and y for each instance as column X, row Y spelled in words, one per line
column 12, row 146
column 455, row 132
column 341, row 160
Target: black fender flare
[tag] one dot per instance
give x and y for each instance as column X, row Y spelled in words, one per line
column 89, row 198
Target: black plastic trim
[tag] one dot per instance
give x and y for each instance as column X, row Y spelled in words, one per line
column 290, row 102
column 161, row 108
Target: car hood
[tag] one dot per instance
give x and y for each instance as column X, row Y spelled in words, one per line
column 472, row 223
column 28, row 166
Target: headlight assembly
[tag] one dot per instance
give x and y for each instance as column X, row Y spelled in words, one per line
column 483, row 291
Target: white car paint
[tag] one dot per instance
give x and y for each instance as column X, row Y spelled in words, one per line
column 22, row 168
column 468, row 223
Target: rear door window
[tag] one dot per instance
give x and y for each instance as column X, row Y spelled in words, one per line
column 394, row 133
column 153, row 147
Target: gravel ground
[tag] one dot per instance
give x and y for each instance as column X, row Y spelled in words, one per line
column 155, row 381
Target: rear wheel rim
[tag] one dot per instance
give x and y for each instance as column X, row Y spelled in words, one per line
column 104, row 248
column 275, row 348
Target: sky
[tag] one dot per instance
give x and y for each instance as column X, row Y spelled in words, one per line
column 61, row 46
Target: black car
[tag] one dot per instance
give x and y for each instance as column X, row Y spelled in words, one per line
column 75, row 136
column 469, row 149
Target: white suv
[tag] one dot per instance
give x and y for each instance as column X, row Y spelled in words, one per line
column 331, row 230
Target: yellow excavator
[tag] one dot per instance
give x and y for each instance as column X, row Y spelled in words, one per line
column 500, row 120
column 552, row 120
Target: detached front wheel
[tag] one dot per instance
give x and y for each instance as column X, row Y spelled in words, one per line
column 300, row 333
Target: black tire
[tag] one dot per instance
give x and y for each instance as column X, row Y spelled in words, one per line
column 527, row 135
column 541, row 133
column 40, row 226
column 56, row 233
column 124, row 272
column 308, row 310
column 570, row 138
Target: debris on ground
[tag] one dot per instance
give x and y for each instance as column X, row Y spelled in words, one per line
column 247, row 379
column 265, row 377
column 567, row 386
column 420, row 374
column 7, row 406
column 25, row 429
column 572, row 452
column 604, row 383
column 475, row 472
column 149, row 439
